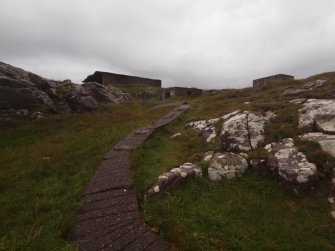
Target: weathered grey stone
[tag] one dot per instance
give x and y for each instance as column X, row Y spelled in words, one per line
column 20, row 89
column 173, row 178
column 243, row 131
column 80, row 100
column 235, row 134
column 208, row 156
column 326, row 141
column 13, row 72
column 208, row 127
column 226, row 165
column 293, row 92
column 298, row 101
column 20, row 93
column 318, row 115
column 102, row 94
column 290, row 164
column 314, row 84
column 305, row 88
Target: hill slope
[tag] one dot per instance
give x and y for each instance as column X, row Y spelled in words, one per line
column 46, row 164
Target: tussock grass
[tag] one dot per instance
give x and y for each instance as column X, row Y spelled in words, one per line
column 45, row 166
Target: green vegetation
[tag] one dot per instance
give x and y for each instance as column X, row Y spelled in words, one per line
column 251, row 213
column 46, row 164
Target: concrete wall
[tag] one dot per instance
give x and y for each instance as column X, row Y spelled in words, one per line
column 264, row 81
column 180, row 91
column 113, row 79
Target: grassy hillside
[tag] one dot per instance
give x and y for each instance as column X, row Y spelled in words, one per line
column 46, row 164
column 250, row 213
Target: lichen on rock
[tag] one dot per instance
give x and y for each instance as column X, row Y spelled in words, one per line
column 318, row 115
column 173, row 178
column 227, row 165
column 285, row 160
column 244, row 131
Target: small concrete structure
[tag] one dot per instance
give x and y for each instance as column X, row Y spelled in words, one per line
column 113, row 79
column 181, row 91
column 275, row 78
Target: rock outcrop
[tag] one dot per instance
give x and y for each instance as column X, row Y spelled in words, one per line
column 101, row 94
column 305, row 88
column 22, row 90
column 21, row 93
column 285, row 160
column 227, row 165
column 205, row 127
column 208, row 127
column 173, row 178
column 314, row 84
column 293, row 92
column 326, row 141
column 318, row 115
column 80, row 100
column 243, row 131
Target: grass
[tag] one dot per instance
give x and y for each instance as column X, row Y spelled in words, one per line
column 46, row 164
column 250, row 213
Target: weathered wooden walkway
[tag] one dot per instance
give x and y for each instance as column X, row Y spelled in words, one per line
column 109, row 218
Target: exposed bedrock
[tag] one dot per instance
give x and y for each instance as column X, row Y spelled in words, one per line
column 318, row 115
column 244, row 131
column 285, row 160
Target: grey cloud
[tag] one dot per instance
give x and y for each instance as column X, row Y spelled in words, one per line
column 208, row 44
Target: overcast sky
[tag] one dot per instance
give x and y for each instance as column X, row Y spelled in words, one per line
column 199, row 43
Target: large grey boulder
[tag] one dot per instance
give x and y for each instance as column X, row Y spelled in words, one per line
column 318, row 115
column 285, row 160
column 102, row 94
column 21, row 93
column 80, row 100
column 173, row 178
column 207, row 128
column 244, row 131
column 326, row 141
column 227, row 165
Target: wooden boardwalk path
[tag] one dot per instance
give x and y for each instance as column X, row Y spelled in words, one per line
column 109, row 218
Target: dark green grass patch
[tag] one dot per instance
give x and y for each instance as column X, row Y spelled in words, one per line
column 251, row 213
